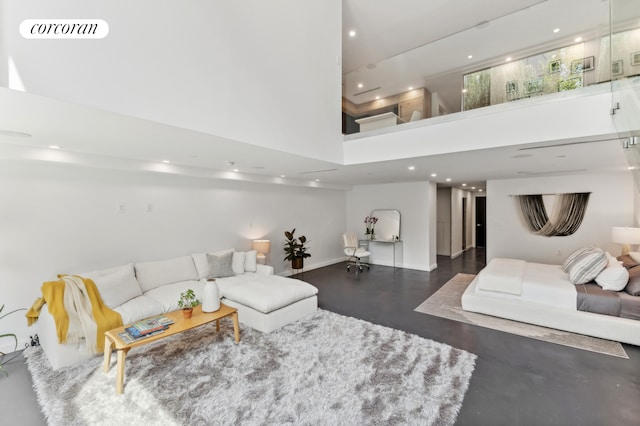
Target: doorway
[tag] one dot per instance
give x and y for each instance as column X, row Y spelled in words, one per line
column 481, row 219
column 464, row 224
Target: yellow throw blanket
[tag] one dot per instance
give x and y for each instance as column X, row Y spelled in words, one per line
column 78, row 311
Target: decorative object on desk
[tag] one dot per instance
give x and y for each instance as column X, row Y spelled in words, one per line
column 295, row 249
column 210, row 296
column 625, row 236
column 370, row 223
column 262, row 247
column 187, row 302
column 15, row 346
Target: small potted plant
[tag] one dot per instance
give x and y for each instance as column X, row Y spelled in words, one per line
column 187, row 302
column 295, row 249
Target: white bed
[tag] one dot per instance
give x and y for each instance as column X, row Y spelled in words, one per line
column 547, row 298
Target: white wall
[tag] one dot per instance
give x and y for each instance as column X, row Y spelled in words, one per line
column 64, row 219
column 413, row 200
column 611, row 204
column 260, row 72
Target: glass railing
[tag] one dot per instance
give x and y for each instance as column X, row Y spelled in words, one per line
column 625, row 62
column 604, row 49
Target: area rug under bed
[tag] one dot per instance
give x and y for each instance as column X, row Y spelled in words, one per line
column 445, row 303
column 324, row 369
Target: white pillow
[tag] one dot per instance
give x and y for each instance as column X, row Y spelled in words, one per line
column 161, row 272
column 613, row 278
column 116, row 285
column 251, row 263
column 238, row 262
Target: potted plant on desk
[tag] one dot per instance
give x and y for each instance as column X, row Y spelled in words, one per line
column 187, row 302
column 295, row 249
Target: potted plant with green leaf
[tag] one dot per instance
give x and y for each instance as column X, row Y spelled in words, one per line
column 295, row 249
column 187, row 302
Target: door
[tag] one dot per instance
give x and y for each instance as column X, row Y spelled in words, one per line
column 464, row 224
column 481, row 214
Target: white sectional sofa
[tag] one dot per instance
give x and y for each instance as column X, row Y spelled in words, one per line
column 264, row 301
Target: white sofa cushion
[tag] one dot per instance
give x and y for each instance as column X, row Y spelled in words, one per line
column 251, row 261
column 202, row 264
column 237, row 264
column 155, row 274
column 116, row 285
column 138, row 308
column 264, row 293
column 168, row 295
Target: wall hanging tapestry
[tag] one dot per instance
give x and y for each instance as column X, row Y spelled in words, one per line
column 566, row 218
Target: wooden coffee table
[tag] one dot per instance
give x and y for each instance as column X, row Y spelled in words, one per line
column 113, row 342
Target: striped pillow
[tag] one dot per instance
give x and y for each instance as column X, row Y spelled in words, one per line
column 586, row 266
column 573, row 256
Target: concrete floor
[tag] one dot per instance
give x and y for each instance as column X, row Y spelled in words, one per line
column 517, row 380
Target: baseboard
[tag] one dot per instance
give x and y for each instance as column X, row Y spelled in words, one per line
column 456, row 254
column 432, row 267
column 309, row 267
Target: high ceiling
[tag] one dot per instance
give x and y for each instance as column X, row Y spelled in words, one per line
column 96, row 138
column 428, row 43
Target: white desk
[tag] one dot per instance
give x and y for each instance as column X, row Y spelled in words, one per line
column 378, row 121
column 394, row 244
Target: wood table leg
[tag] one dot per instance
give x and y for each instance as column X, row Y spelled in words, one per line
column 122, row 354
column 236, row 327
column 108, row 349
column 217, row 325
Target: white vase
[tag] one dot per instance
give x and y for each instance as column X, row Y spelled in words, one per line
column 210, row 296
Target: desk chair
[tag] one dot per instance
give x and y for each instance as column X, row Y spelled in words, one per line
column 354, row 251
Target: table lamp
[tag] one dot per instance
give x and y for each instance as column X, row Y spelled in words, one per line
column 262, row 247
column 625, row 236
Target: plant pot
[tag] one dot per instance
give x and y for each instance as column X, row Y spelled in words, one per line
column 187, row 312
column 297, row 263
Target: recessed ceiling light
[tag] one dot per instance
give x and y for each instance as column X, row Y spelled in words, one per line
column 464, row 90
column 377, row 97
column 236, row 170
column 410, row 87
column 352, row 33
column 473, row 187
column 508, row 59
column 480, row 189
column 578, row 39
column 448, row 179
column 556, row 30
column 360, row 85
column 464, row 184
column 166, row 161
column 317, row 180
column 433, row 175
column 412, row 167
column 54, row 147
column 470, row 56
column 282, row 176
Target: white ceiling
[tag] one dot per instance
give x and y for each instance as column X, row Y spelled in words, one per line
column 96, row 138
column 427, row 43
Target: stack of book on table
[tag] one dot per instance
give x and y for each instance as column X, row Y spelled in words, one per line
column 145, row 328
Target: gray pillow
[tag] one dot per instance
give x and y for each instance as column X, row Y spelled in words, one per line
column 586, row 266
column 633, row 286
column 220, row 265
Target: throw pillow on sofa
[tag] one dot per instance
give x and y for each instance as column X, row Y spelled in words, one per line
column 202, row 263
column 220, row 266
column 116, row 285
column 572, row 258
column 613, row 278
column 633, row 286
column 237, row 263
column 251, row 261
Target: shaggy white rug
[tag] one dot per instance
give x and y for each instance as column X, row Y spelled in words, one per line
column 323, row 369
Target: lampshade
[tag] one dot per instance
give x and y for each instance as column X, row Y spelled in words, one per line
column 261, row 246
column 625, row 236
